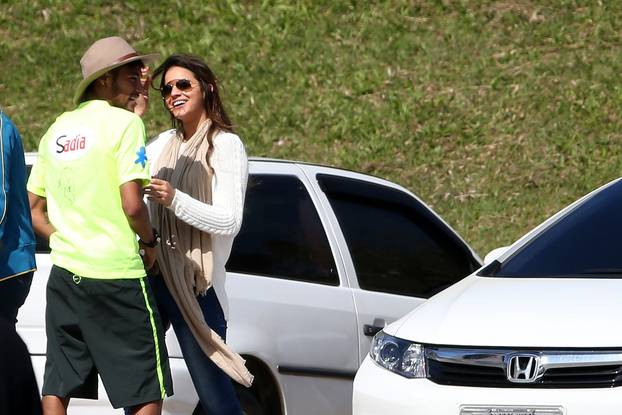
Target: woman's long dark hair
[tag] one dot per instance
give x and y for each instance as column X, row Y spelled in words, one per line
column 211, row 98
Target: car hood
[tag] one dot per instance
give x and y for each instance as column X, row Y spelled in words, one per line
column 519, row 312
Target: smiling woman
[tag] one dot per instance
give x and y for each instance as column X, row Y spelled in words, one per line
column 183, row 98
column 197, row 197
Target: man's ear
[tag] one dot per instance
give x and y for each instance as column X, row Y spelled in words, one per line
column 105, row 79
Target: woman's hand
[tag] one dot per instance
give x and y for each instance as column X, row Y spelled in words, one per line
column 160, row 191
column 142, row 102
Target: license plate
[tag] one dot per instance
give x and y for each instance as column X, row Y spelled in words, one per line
column 510, row 410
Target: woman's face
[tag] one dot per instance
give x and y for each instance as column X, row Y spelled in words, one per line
column 185, row 100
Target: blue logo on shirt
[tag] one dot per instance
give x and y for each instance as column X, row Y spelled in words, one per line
column 142, row 156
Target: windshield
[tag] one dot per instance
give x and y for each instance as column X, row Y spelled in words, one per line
column 586, row 242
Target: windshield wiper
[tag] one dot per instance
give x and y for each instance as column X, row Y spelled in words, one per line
column 490, row 269
column 603, row 271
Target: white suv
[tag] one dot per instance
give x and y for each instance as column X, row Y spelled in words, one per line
column 324, row 260
column 535, row 332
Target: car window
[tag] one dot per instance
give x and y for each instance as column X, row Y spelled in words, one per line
column 396, row 243
column 43, row 246
column 582, row 243
column 282, row 235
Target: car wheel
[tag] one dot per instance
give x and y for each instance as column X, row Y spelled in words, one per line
column 249, row 403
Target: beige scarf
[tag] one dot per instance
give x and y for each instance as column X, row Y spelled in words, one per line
column 185, row 254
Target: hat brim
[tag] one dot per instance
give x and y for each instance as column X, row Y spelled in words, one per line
column 87, row 81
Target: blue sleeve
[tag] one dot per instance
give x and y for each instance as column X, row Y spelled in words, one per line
column 10, row 136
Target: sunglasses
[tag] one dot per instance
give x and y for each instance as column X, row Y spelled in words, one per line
column 180, row 84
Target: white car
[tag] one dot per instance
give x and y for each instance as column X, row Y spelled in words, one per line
column 536, row 331
column 325, row 259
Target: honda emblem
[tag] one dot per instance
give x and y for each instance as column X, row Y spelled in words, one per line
column 523, row 368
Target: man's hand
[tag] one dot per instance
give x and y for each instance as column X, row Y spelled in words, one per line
column 148, row 256
column 138, row 218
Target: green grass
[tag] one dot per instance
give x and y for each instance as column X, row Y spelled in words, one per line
column 496, row 113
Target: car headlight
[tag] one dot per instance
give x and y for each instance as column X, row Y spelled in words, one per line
column 398, row 355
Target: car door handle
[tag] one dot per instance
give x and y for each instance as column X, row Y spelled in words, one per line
column 371, row 330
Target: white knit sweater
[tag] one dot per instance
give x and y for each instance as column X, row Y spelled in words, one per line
column 223, row 218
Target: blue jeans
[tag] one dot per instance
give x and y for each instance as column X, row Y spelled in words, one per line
column 13, row 293
column 214, row 387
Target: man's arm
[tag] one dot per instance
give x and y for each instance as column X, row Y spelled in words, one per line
column 138, row 217
column 40, row 221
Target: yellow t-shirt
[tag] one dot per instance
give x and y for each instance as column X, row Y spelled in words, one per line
column 84, row 158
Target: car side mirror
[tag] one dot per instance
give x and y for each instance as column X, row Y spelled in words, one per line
column 494, row 254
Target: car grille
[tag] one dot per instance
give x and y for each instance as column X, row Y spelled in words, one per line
column 465, row 375
column 587, row 377
column 487, row 368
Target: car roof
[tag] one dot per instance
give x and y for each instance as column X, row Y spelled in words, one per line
column 31, row 157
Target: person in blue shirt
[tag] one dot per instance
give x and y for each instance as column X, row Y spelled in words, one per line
column 17, row 240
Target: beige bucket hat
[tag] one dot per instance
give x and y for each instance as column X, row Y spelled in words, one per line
column 105, row 55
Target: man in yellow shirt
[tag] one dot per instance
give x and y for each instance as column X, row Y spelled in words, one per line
column 85, row 193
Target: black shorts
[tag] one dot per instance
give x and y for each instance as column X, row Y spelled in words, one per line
column 110, row 327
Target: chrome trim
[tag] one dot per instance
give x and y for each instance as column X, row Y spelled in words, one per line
column 500, row 357
column 550, row 360
column 509, row 410
column 468, row 356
